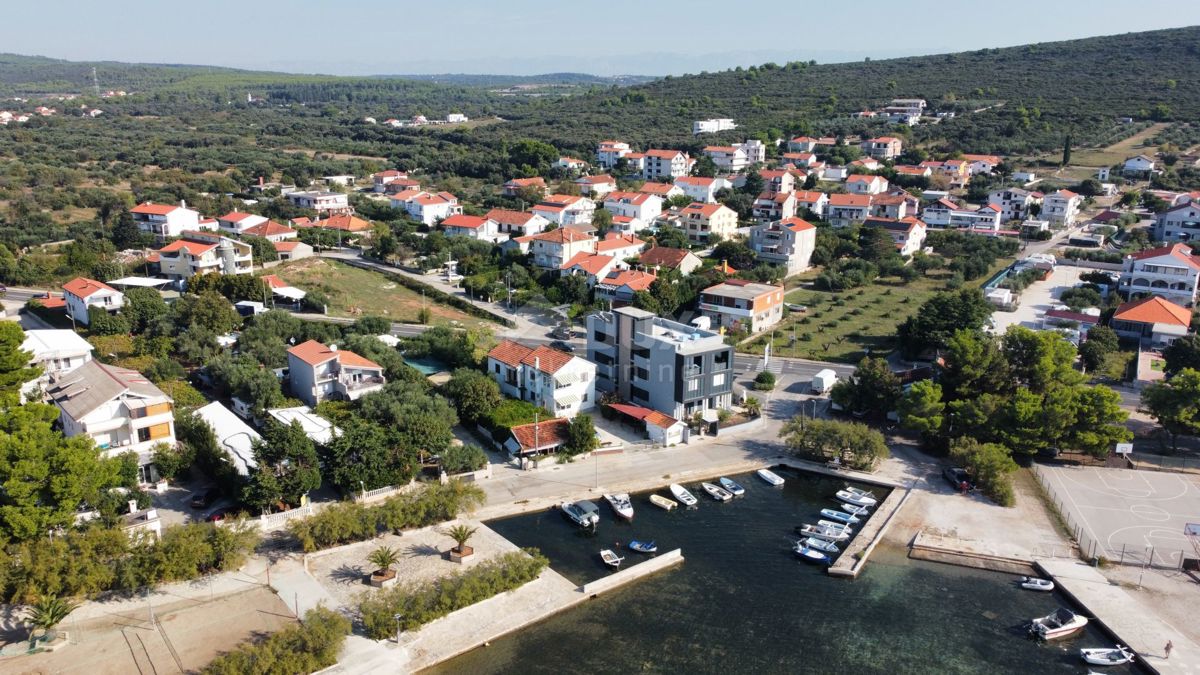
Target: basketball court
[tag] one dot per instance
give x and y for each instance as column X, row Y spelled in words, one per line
column 1127, row 516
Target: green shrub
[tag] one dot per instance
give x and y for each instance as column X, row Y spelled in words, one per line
column 418, row 604
column 307, row 647
column 764, row 381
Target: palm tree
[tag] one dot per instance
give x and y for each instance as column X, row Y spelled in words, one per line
column 383, row 558
column 460, row 534
column 753, row 406
column 46, row 613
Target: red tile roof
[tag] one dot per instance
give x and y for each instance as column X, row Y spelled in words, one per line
column 591, row 263
column 655, row 189
column 543, row 358
column 663, row 154
column 563, row 235
column 849, row 200
column 615, row 241
column 1178, row 251
column 536, row 181
column 636, row 280
column 150, row 209
column 235, row 216
column 314, row 354
column 465, row 222
column 85, row 288
column 540, row 435
column 706, row 210
column 268, row 229
column 797, row 224
column 273, row 281
column 647, row 415
column 345, row 223
column 286, row 246
column 193, row 247
column 662, row 256
column 507, row 217
column 1154, row 310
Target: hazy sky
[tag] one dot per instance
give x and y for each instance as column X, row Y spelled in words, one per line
column 607, row 37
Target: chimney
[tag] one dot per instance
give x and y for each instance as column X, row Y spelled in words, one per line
column 183, row 203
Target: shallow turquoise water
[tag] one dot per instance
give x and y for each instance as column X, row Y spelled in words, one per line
column 742, row 603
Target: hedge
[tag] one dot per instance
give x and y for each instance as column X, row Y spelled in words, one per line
column 418, row 604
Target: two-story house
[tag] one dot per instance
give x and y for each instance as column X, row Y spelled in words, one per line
column 666, row 165
column 518, row 186
column 566, row 209
column 945, row 213
column 772, row 206
column 619, row 286
column 427, row 207
column 1014, row 203
column 861, row 184
column 649, row 361
column 56, row 352
column 1179, row 223
column 802, row 144
column 789, row 243
column 517, row 223
column 592, row 266
column 908, row 233
column 895, row 204
column 236, row 222
column 748, row 305
column 551, row 379
column 984, row 164
column 883, row 147
column 164, row 221
column 324, row 203
column 272, row 232
column 382, row 179
column 620, row 246
column 472, row 227
column 596, row 186
column 663, row 191
column 1171, row 271
column 1061, row 207
column 551, row 250
column 700, row 188
column 204, row 253
column 608, row 153
column 81, row 294
column 119, row 409
column 317, row 372
column 844, row 209
column 813, row 201
column 708, row 223
column 639, row 206
column 660, row 258
column 777, row 180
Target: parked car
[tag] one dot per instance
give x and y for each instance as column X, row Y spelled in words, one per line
column 958, row 477
column 220, row 514
column 563, row 346
column 205, row 498
column 795, row 308
column 562, row 332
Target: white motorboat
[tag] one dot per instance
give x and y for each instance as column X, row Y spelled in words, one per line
column 731, row 487
column 1036, row 584
column 663, row 503
column 856, row 510
column 1107, row 657
column 810, row 554
column 686, row 498
column 820, row 545
column 582, row 513
column 854, row 499
column 858, row 491
column 610, row 558
column 822, row 533
column 1060, row 624
column 839, row 527
column 717, row 492
column 840, row 516
column 620, row 504
column 770, row 476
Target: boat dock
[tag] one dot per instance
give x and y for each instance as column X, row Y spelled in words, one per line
column 852, row 561
column 1120, row 614
column 951, row 551
column 479, row 624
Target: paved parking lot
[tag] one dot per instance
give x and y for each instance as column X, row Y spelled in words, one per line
column 1127, row 515
column 1037, row 298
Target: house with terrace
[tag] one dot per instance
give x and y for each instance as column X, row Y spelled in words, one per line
column 317, row 372
column 559, row 382
column 1171, row 271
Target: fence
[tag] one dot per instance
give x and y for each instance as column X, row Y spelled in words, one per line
column 1165, row 463
column 270, row 521
column 1092, row 549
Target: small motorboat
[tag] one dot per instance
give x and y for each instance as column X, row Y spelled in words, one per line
column 663, row 503
column 1107, row 657
column 610, row 558
column 1060, row 624
column 582, row 513
column 840, row 516
column 772, row 478
column 859, row 491
column 731, row 487
column 620, row 504
column 1036, row 584
column 822, row 533
column 837, row 527
column 854, row 499
column 820, row 545
column 716, row 492
column 856, row 510
column 686, row 498
column 810, row 554
column 643, row 546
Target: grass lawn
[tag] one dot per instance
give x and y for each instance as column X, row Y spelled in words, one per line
column 843, row 326
column 357, row 292
column 1112, row 154
column 1116, row 366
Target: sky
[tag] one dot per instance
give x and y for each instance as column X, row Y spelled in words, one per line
column 523, row 37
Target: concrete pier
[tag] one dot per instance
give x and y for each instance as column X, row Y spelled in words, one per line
column 851, row 562
column 937, row 548
column 1123, row 616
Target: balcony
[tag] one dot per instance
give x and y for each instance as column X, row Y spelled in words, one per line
column 353, row 388
column 692, row 371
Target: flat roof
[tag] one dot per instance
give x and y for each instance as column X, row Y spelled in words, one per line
column 141, row 282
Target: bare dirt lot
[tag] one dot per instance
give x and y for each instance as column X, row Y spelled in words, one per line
column 182, row 638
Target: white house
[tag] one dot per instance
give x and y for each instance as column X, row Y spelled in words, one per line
column 802, row 144
column 1152, row 320
column 324, row 203
column 517, row 223
column 592, row 266
column 81, row 294
column 844, row 209
column 666, row 165
column 236, row 222
column 1061, row 207
column 1140, row 166
column 813, row 201
column 204, row 253
column 983, row 163
column 699, row 188
column 861, row 184
column 735, row 158
column 663, row 191
column 566, row 209
column 789, row 243
column 317, row 372
column 620, row 246
column 636, row 205
column 272, row 232
column 163, row 220
column 118, row 408
column 56, row 352
column 883, row 147
column 774, row 206
column 1014, row 203
column 1179, row 223
column 908, row 234
column 1171, row 271
column 777, row 180
column 555, row 380
column 596, row 186
column 427, row 207
column 472, row 227
column 712, row 126
column 945, row 213
column 551, row 250
column 381, row 179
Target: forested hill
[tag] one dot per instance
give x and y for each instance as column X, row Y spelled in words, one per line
column 40, row 75
column 545, row 80
column 1048, row 89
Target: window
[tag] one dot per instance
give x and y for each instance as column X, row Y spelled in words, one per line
column 718, row 379
column 693, row 385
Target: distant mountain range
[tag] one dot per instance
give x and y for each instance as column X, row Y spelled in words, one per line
column 544, row 80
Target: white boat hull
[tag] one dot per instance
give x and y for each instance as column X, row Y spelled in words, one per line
column 716, row 492
column 620, row 505
column 1107, row 657
column 770, row 477
column 681, row 493
column 663, row 503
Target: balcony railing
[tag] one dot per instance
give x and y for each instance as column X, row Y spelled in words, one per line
column 353, row 384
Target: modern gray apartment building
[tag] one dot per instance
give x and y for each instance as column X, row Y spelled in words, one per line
column 676, row 369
